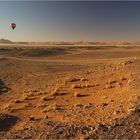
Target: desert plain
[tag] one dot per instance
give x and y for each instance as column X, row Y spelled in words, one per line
column 69, row 91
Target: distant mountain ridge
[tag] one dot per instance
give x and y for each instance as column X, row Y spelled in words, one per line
column 92, row 43
column 5, row 41
column 86, row 43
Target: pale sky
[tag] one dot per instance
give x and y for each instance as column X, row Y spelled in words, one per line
column 70, row 20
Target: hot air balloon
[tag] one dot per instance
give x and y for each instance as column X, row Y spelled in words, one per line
column 13, row 25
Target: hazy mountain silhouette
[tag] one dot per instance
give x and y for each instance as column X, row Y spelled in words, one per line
column 5, row 41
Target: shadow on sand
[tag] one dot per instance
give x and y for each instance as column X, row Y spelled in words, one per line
column 3, row 88
column 7, row 121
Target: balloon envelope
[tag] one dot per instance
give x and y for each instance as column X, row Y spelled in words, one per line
column 13, row 26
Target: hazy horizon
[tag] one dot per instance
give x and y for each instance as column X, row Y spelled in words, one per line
column 43, row 21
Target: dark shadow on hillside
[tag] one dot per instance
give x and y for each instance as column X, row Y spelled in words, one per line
column 7, row 121
column 34, row 52
column 3, row 88
column 43, row 52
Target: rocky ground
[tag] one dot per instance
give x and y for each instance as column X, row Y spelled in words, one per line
column 71, row 92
